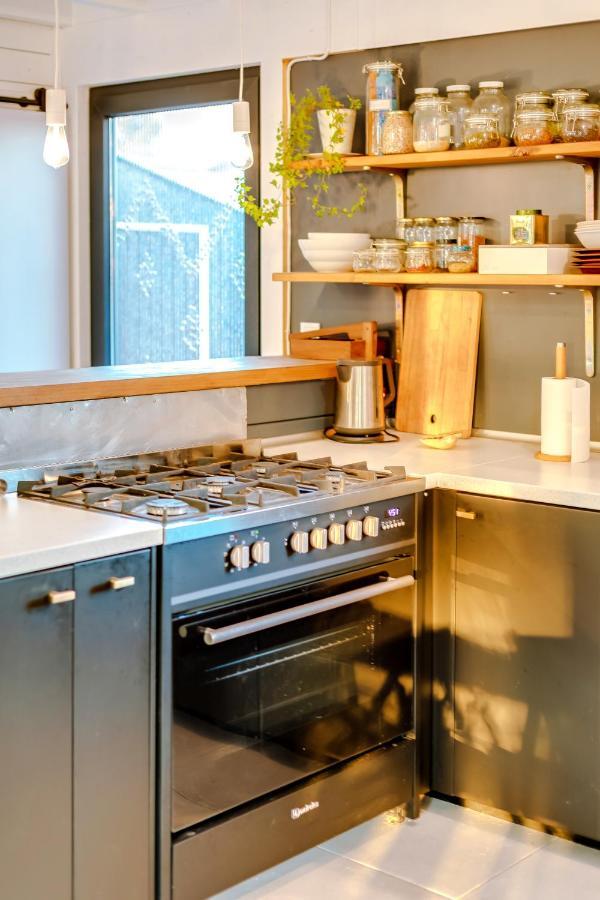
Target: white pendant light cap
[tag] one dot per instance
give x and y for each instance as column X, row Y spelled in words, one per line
column 56, row 106
column 241, row 116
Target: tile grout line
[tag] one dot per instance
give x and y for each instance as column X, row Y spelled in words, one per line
column 513, row 865
column 432, row 891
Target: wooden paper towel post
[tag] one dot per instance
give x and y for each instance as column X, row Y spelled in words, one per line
column 560, row 373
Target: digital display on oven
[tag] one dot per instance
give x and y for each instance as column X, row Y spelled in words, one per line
column 393, row 512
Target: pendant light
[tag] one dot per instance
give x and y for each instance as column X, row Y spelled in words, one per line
column 241, row 155
column 56, row 146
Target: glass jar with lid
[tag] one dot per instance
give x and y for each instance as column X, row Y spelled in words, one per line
column 389, row 254
column 481, row 131
column 461, row 259
column 564, row 97
column 419, row 257
column 424, row 229
column 533, row 126
column 534, row 100
column 364, row 260
column 382, row 96
column 492, row 100
column 446, row 229
column 422, row 92
column 405, row 230
column 471, row 234
column 459, row 107
column 397, row 136
column 581, row 123
column 440, row 255
column 431, row 125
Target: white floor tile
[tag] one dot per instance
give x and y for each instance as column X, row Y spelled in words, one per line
column 448, row 850
column 323, row 876
column 559, row 871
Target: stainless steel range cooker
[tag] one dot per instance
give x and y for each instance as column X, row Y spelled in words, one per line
column 289, row 644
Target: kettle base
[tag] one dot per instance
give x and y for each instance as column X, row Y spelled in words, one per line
column 378, row 437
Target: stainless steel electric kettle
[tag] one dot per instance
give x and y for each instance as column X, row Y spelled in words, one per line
column 361, row 399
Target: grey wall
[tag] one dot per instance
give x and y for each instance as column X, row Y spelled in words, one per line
column 289, row 408
column 519, row 329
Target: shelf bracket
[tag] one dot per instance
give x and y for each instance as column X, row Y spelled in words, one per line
column 588, row 325
column 399, row 322
column 589, row 176
column 400, row 189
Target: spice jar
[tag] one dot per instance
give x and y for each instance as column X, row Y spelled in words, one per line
column 440, row 256
column 419, row 257
column 383, row 96
column 528, row 226
column 581, row 122
column 389, row 255
column 461, row 259
column 364, row 260
column 397, row 134
column 492, row 100
column 470, row 233
column 405, row 230
column 481, row 131
column 563, row 98
column 424, row 229
column 534, row 126
column 422, row 92
column 459, row 107
column 431, row 125
column 446, row 229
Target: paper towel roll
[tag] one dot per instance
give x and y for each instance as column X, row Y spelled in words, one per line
column 566, row 418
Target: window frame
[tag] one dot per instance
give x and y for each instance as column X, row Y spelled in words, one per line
column 179, row 92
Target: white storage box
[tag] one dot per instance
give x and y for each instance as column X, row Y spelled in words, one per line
column 540, row 259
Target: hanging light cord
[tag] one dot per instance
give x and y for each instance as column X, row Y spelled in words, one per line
column 56, row 27
column 241, row 49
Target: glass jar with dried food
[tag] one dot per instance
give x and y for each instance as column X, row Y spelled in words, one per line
column 405, row 230
column 534, row 100
column 364, row 260
column 459, row 107
column 470, row 233
column 446, row 229
column 534, row 126
column 481, row 132
column 424, row 229
column 422, row 92
column 431, row 125
column 440, row 255
column 492, row 100
column 461, row 259
column 389, row 255
column 397, row 134
column 581, row 123
column 563, row 98
column 383, row 96
column 419, row 257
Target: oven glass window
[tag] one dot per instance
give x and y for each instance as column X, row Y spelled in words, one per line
column 259, row 712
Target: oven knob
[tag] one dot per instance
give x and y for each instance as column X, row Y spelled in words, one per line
column 239, row 557
column 337, row 533
column 260, row 552
column 371, row 526
column 299, row 541
column 354, row 530
column 318, row 538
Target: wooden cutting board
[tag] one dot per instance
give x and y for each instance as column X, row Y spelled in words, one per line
column 436, row 389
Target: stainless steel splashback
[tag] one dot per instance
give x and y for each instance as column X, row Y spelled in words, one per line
column 61, row 433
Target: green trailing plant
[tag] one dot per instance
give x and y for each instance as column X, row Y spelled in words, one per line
column 289, row 173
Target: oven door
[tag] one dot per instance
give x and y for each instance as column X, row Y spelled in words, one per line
column 270, row 690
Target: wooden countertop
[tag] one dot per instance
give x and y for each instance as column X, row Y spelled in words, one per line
column 99, row 382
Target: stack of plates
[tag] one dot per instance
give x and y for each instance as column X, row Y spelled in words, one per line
column 331, row 251
column 587, row 260
column 589, row 234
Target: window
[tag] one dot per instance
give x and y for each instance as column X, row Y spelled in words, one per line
column 174, row 260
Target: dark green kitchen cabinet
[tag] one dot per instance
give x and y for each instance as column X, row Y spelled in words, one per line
column 517, row 709
column 77, row 732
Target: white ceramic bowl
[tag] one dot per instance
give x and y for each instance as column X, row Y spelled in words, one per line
column 319, row 254
column 331, row 266
column 338, row 240
column 590, row 239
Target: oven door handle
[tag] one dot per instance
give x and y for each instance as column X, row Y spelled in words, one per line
column 261, row 623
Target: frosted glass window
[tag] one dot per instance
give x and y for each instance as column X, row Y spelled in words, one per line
column 177, row 254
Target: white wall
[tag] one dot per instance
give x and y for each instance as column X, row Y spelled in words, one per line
column 105, row 46
column 34, row 291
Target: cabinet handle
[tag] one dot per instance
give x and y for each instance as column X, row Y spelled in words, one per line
column 55, row 597
column 466, row 514
column 117, row 584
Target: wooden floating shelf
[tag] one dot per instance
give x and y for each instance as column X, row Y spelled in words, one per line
column 452, row 158
column 574, row 280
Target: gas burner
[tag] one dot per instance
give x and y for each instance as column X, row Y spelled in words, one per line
column 168, row 507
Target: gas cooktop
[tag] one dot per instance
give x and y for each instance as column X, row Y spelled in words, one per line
column 216, row 484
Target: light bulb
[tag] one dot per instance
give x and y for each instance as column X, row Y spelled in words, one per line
column 241, row 155
column 56, row 146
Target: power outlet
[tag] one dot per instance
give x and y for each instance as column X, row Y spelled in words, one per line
column 309, row 326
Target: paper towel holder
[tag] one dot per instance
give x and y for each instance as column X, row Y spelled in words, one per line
column 560, row 372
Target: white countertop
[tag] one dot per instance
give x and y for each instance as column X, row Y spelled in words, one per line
column 37, row 535
column 498, row 468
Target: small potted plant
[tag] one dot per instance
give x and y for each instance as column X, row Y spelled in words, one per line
column 290, row 174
